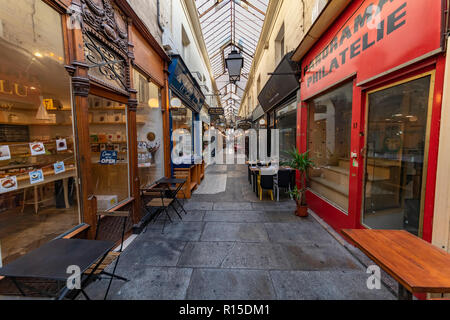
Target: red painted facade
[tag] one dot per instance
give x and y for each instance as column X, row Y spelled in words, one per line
column 403, row 40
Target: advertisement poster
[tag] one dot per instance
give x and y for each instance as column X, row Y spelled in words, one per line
column 37, row 148
column 36, row 176
column 5, row 153
column 61, row 145
column 8, row 184
column 59, row 167
column 108, row 157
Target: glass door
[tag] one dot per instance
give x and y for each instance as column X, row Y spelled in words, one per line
column 396, row 154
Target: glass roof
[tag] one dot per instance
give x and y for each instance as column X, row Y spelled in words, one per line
column 229, row 24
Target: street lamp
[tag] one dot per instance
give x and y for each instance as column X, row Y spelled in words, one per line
column 234, row 63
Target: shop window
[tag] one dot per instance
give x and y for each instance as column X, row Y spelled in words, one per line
column 38, row 169
column 182, row 123
column 150, row 134
column 109, row 150
column 330, row 118
column 286, row 123
column 396, row 156
column 279, row 45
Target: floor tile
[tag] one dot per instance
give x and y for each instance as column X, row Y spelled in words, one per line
column 183, row 231
column 156, row 284
column 221, row 231
column 325, row 285
column 232, row 206
column 143, row 252
column 219, row 284
column 204, row 254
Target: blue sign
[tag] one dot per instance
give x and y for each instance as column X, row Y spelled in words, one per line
column 59, row 167
column 36, row 176
column 184, row 85
column 108, row 157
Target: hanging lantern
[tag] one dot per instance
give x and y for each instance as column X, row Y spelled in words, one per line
column 234, row 64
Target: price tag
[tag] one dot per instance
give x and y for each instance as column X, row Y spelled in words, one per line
column 59, row 167
column 36, row 176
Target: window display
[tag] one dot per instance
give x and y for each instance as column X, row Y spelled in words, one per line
column 182, row 121
column 109, row 150
column 286, row 123
column 396, row 144
column 38, row 170
column 149, row 135
column 330, row 117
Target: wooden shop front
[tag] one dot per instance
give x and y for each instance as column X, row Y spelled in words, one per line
column 83, row 117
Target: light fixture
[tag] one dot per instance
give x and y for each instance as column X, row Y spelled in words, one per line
column 153, row 103
column 175, row 102
column 262, row 122
column 38, row 54
column 42, row 113
column 234, row 64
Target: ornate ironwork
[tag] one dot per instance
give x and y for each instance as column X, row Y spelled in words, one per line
column 103, row 62
column 102, row 17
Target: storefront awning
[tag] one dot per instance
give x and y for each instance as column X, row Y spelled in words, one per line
column 257, row 113
column 281, row 84
column 184, row 86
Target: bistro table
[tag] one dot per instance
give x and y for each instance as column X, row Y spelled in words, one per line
column 51, row 262
column 418, row 266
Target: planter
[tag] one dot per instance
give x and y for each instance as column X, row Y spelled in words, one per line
column 301, row 211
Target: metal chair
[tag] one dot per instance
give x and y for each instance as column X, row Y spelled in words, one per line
column 117, row 211
column 283, row 181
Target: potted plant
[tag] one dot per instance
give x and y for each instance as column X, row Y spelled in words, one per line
column 301, row 163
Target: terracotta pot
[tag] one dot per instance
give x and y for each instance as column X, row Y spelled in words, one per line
column 302, row 211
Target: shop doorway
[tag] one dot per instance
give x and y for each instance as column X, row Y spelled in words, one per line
column 398, row 121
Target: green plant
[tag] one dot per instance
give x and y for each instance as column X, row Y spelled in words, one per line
column 302, row 163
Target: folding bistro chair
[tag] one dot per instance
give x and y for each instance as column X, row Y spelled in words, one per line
column 174, row 186
column 156, row 198
column 112, row 255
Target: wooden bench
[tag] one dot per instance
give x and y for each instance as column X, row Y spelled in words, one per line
column 418, row 266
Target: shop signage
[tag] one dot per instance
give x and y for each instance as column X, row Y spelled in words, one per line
column 8, row 184
column 245, row 125
column 372, row 37
column 59, row 167
column 37, row 148
column 108, row 157
column 184, row 85
column 284, row 81
column 216, row 111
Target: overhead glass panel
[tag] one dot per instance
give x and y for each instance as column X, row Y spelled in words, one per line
column 228, row 25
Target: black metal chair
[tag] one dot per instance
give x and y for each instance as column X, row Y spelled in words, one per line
column 159, row 198
column 121, row 210
column 283, row 181
column 266, row 183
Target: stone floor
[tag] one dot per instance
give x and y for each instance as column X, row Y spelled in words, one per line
column 233, row 246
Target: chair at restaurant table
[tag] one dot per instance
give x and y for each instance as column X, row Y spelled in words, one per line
column 283, row 180
column 266, row 181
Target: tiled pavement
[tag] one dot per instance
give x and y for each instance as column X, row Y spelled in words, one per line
column 232, row 246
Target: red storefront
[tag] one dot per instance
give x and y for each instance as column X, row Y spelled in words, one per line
column 371, row 93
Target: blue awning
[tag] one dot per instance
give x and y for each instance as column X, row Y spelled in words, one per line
column 184, row 86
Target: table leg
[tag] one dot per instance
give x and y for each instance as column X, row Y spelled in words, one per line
column 403, row 293
column 36, row 200
column 66, row 192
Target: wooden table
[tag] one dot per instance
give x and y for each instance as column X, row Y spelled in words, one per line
column 418, row 266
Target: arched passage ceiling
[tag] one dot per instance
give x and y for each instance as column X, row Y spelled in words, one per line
column 227, row 24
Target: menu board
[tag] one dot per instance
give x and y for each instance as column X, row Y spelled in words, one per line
column 14, row 133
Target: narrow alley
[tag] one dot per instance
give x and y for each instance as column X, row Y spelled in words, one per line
column 232, row 246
